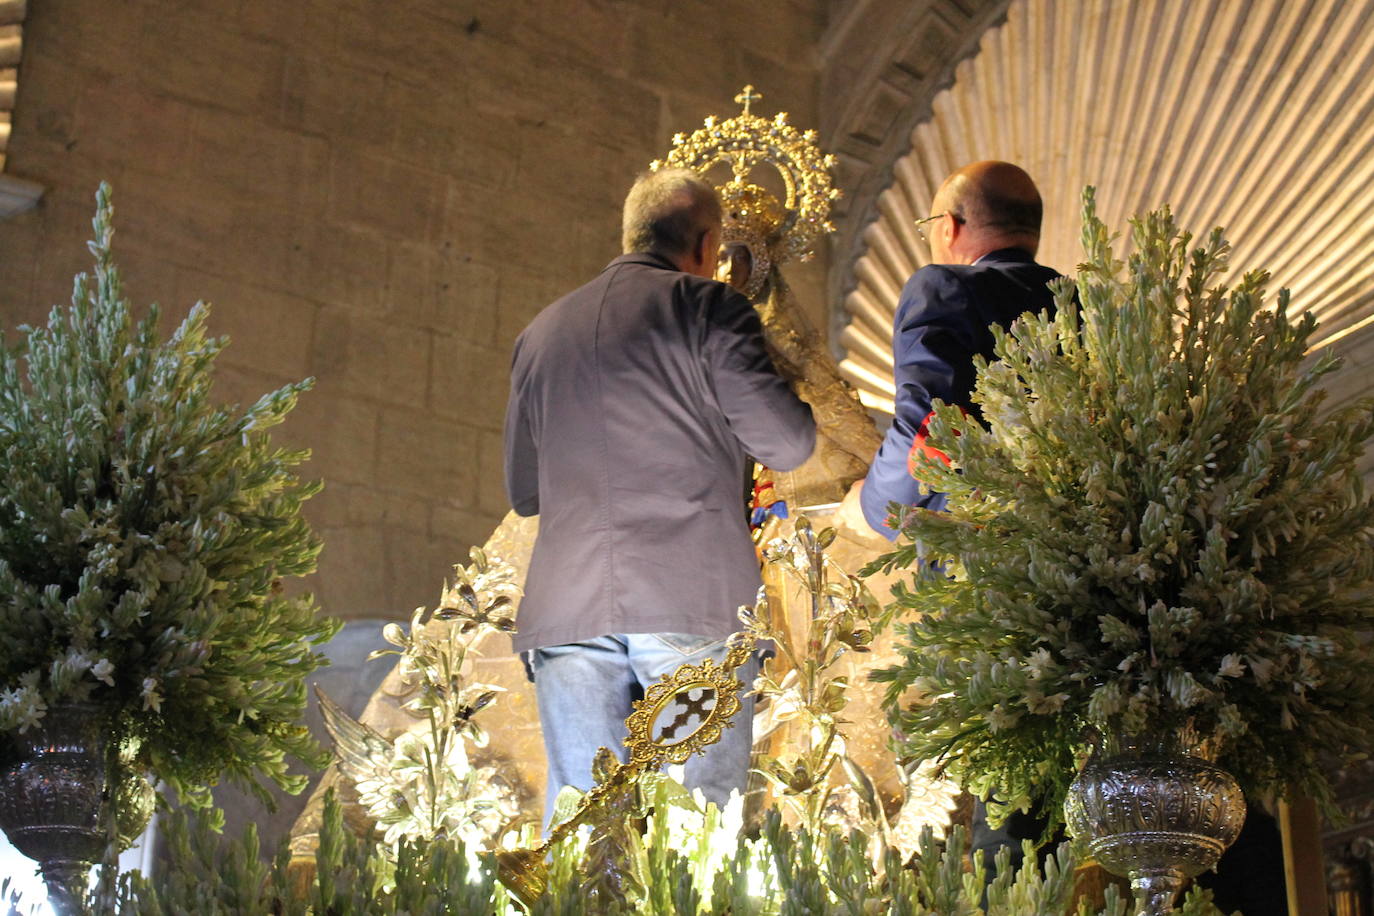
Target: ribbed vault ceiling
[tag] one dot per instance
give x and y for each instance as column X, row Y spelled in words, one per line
column 1250, row 114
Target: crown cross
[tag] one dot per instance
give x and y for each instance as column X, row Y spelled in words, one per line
column 747, row 97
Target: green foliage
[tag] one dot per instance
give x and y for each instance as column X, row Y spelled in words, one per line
column 210, row 877
column 779, row 873
column 1158, row 528
column 144, row 531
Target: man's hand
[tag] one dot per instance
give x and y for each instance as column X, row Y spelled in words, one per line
column 850, row 514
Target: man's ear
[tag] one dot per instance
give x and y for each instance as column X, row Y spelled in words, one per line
column 706, row 258
column 955, row 227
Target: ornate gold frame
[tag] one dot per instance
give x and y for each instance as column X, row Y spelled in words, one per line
column 524, row 871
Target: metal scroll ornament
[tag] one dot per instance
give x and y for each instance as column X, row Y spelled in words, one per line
column 1155, row 813
column 680, row 716
column 56, row 788
column 757, row 225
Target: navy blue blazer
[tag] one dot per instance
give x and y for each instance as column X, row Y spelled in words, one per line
column 635, row 401
column 943, row 320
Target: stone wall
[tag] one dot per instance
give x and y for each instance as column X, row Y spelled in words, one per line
column 377, row 194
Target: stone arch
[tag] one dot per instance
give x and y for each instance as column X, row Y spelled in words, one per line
column 1255, row 116
column 884, row 61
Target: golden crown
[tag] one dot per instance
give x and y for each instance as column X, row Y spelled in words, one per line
column 773, row 230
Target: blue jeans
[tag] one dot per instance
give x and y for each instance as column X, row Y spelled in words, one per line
column 585, row 689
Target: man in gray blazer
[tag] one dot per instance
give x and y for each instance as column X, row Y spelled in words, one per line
column 635, row 403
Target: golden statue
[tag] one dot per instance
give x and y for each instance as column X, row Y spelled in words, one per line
column 761, row 231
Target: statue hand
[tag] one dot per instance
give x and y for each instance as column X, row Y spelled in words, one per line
column 850, row 514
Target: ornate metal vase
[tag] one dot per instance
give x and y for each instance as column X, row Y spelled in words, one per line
column 55, row 790
column 1156, row 812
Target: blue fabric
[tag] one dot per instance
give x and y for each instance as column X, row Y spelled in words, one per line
column 761, row 514
column 942, row 324
column 584, row 691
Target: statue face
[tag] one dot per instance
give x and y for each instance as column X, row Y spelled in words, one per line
column 734, row 265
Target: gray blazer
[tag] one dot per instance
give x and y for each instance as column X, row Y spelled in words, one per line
column 634, row 403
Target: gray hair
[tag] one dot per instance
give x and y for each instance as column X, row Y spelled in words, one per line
column 668, row 212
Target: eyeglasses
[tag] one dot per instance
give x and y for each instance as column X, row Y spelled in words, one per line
column 920, row 223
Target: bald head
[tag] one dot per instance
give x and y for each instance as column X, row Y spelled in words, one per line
column 994, row 205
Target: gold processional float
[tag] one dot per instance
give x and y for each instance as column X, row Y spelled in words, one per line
column 760, row 233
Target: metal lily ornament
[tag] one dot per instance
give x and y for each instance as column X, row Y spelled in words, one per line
column 422, row 783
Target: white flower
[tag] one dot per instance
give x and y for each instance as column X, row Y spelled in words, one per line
column 21, row 708
column 1231, row 666
column 152, row 697
column 1039, row 662
column 1042, row 705
column 999, row 717
column 688, row 824
column 103, row 671
column 75, row 662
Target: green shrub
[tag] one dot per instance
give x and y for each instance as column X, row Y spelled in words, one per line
column 144, row 534
column 779, row 873
column 1157, row 528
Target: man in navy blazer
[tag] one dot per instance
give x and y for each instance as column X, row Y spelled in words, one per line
column 983, row 229
column 635, row 403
